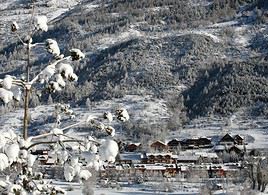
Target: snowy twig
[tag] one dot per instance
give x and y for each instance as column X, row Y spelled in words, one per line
column 53, row 64
column 20, row 39
column 51, row 142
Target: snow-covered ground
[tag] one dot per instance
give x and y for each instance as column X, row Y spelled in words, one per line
column 140, row 108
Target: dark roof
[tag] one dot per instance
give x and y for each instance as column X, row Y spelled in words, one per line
column 227, row 137
column 158, row 142
column 173, row 142
column 238, row 137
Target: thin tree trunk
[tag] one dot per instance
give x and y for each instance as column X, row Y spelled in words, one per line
column 27, row 96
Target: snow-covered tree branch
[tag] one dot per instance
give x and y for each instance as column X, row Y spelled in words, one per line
column 18, row 150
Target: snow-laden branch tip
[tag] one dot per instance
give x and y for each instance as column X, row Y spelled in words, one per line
column 52, row 47
column 40, row 23
column 6, row 95
column 14, row 26
column 108, row 150
column 16, row 93
column 7, row 82
column 77, row 54
column 53, row 86
column 108, row 116
column 60, row 80
column 84, row 175
column 66, row 70
column 122, row 114
column 3, row 161
column 12, row 152
column 110, row 130
column 47, row 73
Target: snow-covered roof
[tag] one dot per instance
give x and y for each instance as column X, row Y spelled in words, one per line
column 158, row 141
column 159, row 154
column 187, row 158
column 130, row 156
column 136, row 144
column 219, row 147
column 207, row 154
column 154, row 167
column 51, row 161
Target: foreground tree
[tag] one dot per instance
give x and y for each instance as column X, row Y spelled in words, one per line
column 17, row 150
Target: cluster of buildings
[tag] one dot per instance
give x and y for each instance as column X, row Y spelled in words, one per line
column 198, row 156
column 183, row 157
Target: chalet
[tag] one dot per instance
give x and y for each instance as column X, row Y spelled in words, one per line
column 194, row 143
column 174, row 144
column 129, row 158
column 181, row 159
column 230, row 140
column 152, row 158
column 159, row 146
column 40, row 152
column 227, row 139
column 238, row 149
column 208, row 157
column 239, row 140
column 166, row 170
column 132, row 147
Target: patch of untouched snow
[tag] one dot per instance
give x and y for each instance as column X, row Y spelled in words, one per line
column 224, row 24
column 110, row 40
column 215, row 38
column 242, row 36
column 90, row 7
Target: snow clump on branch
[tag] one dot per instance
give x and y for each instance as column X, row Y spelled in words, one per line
column 52, row 47
column 14, row 26
column 7, row 82
column 77, row 54
column 108, row 150
column 122, row 114
column 41, row 23
column 3, row 161
column 12, row 152
column 108, row 116
column 6, row 95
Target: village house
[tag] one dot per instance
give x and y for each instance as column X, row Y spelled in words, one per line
column 150, row 170
column 194, row 159
column 195, row 143
column 239, row 140
column 174, row 144
column 230, row 140
column 152, row 158
column 132, row 147
column 191, row 143
column 227, row 140
column 129, row 158
column 159, row 146
column 239, row 150
column 208, row 157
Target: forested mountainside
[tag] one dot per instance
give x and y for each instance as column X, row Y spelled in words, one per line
column 202, row 56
